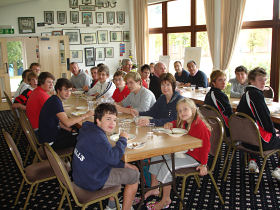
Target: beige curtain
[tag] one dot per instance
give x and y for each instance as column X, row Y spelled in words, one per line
column 141, row 30
column 231, row 22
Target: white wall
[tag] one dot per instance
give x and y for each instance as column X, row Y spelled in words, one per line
column 9, row 16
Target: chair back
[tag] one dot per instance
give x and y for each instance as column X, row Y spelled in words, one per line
column 15, row 153
column 216, row 138
column 269, row 93
column 209, row 111
column 244, row 129
column 60, row 170
column 10, row 105
column 29, row 133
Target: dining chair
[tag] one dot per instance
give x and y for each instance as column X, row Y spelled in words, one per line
column 251, row 135
column 33, row 174
column 83, row 198
column 16, row 119
column 216, row 141
column 34, row 143
column 209, row 111
column 268, row 92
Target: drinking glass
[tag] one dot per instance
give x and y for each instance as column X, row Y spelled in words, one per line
column 90, row 105
column 150, row 132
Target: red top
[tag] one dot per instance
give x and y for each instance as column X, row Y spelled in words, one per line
column 199, row 130
column 119, row 96
column 34, row 105
column 144, row 83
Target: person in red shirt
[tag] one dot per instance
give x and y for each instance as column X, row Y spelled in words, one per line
column 122, row 90
column 38, row 97
column 145, row 75
column 188, row 118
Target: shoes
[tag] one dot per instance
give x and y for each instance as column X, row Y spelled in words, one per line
column 276, row 173
column 151, row 204
column 253, row 167
column 108, row 208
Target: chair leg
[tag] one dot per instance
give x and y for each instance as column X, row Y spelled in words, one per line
column 117, row 202
column 260, row 175
column 19, row 191
column 245, row 159
column 229, row 164
column 183, row 192
column 69, row 201
column 28, row 196
column 19, row 135
column 197, row 180
column 27, row 155
column 62, row 199
column 216, row 187
column 100, row 204
column 36, row 188
column 225, row 161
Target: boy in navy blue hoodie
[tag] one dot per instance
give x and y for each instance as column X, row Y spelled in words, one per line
column 96, row 164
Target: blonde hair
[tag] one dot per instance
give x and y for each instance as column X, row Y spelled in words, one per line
column 195, row 113
column 215, row 75
column 135, row 76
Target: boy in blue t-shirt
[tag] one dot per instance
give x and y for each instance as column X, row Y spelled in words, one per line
column 96, row 164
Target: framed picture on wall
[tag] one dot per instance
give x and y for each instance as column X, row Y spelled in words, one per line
column 115, row 36
column 61, row 17
column 86, row 7
column 99, row 3
column 73, row 4
column 86, row 1
column 57, row 33
column 26, row 25
column 126, row 36
column 46, row 34
column 102, row 37
column 76, row 56
column 121, row 17
column 49, row 17
column 74, row 17
column 88, row 38
column 89, row 56
column 87, row 18
column 73, row 34
column 109, row 52
column 99, row 16
column 100, row 53
column 110, row 17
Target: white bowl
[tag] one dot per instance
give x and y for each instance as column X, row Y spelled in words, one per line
column 178, row 131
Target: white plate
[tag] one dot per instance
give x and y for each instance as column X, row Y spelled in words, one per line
column 135, row 145
column 78, row 92
column 78, row 113
column 161, row 130
column 81, row 107
column 178, row 131
column 115, row 137
column 128, row 120
column 176, row 134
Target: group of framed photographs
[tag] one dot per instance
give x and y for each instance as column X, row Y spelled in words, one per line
column 91, row 55
column 101, row 37
column 98, row 3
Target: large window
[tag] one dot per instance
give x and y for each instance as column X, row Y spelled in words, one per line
column 178, row 13
column 155, row 47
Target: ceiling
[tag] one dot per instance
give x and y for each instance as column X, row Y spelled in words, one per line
column 10, row 2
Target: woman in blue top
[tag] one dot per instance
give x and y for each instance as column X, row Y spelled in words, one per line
column 164, row 110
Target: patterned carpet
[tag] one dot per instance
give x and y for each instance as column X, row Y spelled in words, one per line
column 237, row 191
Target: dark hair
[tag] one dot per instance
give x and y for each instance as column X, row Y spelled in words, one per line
column 25, row 73
column 34, row 64
column 100, row 64
column 43, row 76
column 258, row 71
column 170, row 78
column 119, row 73
column 62, row 82
column 145, row 66
column 103, row 68
column 191, row 61
column 241, row 69
column 102, row 109
column 214, row 76
column 178, row 62
column 72, row 63
column 94, row 67
column 31, row 75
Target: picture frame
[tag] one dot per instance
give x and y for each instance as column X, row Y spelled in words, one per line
column 49, row 17
column 26, row 25
column 109, row 52
column 99, row 17
column 99, row 3
column 100, row 54
column 73, row 34
column 86, row 2
column 73, row 4
column 76, row 56
column 46, row 34
column 102, row 37
column 61, row 17
column 87, row 18
column 86, row 7
column 110, row 17
column 88, row 38
column 126, row 36
column 74, row 17
column 57, row 33
column 116, row 36
column 89, row 56
column 121, row 17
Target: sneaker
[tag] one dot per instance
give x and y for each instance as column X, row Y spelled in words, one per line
column 253, row 167
column 276, row 173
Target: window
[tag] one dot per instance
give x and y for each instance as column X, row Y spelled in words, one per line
column 258, row 10
column 200, row 13
column 155, row 47
column 206, row 61
column 178, row 13
column 154, row 16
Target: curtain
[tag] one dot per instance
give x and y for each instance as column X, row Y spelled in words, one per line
column 231, row 22
column 141, row 30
